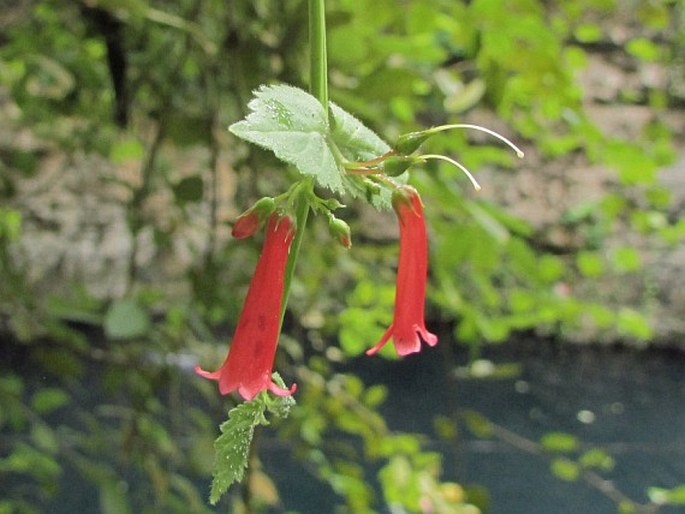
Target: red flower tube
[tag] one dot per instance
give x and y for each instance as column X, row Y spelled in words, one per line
column 248, row 366
column 408, row 326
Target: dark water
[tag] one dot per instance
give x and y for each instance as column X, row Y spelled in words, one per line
column 630, row 403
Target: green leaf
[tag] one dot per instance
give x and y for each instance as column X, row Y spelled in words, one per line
column 125, row 150
column 487, row 222
column 643, row 49
column 375, row 395
column 49, row 399
column 632, row 323
column 400, row 482
column 597, row 458
column 44, row 438
column 354, row 140
column 559, row 442
column 445, row 428
column 29, row 460
column 233, row 446
column 114, row 497
column 10, row 224
column 588, row 33
column 660, row 496
column 479, row 425
column 358, row 328
column 293, row 125
column 125, row 319
column 627, row 507
column 565, row 469
column 626, row 259
column 188, row 190
column 590, row 264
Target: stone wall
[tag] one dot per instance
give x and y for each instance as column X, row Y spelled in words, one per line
column 543, row 192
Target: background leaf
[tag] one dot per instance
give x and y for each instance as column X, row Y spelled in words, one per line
column 49, row 399
column 125, row 319
column 188, row 190
column 559, row 442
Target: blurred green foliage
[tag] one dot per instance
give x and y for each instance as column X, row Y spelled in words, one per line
column 100, row 389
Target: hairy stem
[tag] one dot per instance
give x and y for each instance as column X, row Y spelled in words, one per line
column 301, row 215
column 318, row 61
column 318, row 86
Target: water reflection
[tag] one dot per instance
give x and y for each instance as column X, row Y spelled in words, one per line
column 626, row 402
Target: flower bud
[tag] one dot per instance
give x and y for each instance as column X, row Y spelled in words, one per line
column 340, row 231
column 410, row 142
column 372, row 189
column 249, row 222
column 395, row 166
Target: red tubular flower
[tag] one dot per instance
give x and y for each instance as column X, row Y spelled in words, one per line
column 408, row 326
column 248, row 366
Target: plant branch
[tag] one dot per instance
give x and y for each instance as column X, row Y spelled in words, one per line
column 589, row 476
column 301, row 215
column 318, row 70
column 318, row 86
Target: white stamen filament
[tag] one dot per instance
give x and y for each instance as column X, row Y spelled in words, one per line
column 519, row 152
column 463, row 168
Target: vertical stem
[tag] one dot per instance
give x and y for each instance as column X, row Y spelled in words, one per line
column 318, row 86
column 301, row 215
column 318, row 62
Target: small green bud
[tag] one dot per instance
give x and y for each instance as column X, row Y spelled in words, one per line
column 372, row 189
column 264, row 206
column 395, row 166
column 332, row 204
column 411, row 141
column 340, row 231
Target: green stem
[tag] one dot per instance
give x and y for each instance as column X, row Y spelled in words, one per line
column 318, row 62
column 318, row 86
column 301, row 215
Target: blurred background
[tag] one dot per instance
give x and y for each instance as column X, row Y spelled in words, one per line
column 557, row 291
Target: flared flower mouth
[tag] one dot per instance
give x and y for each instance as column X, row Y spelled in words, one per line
column 247, row 389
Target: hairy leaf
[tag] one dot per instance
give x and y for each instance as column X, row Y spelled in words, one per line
column 293, row 125
column 354, row 140
column 233, row 446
